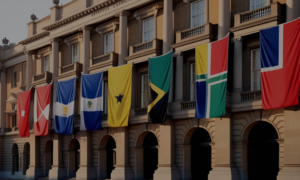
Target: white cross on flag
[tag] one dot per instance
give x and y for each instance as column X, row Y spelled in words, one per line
column 41, row 110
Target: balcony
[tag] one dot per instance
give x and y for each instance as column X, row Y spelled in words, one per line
column 252, row 21
column 141, row 52
column 74, row 70
column 103, row 62
column 44, row 78
column 190, row 38
column 243, row 101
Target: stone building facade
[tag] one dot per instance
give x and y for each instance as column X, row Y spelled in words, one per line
column 92, row 35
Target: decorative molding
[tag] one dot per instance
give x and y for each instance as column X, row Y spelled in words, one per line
column 35, row 38
column 122, row 13
column 235, row 39
column 77, row 36
column 149, row 10
column 44, row 50
column 17, row 54
column 85, row 27
column 179, row 53
column 110, row 25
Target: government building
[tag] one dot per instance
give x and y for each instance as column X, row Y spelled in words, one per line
column 89, row 36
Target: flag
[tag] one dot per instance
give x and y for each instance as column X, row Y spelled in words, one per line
column 159, row 76
column 211, row 79
column 65, row 100
column 279, row 51
column 119, row 95
column 23, row 113
column 91, row 101
column 41, row 110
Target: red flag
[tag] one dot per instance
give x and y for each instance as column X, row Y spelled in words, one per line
column 23, row 113
column 41, row 110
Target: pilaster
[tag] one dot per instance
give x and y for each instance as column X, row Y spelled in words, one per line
column 58, row 171
column 167, row 26
column 292, row 10
column 30, row 68
column 224, row 18
column 238, row 64
column 35, row 170
column 86, row 47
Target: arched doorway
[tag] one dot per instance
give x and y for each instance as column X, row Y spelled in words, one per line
column 26, row 155
column 15, row 158
column 48, row 156
column 73, row 157
column 110, row 156
column 200, row 154
column 263, row 152
column 150, row 153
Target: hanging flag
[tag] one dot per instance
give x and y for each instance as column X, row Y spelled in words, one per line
column 211, row 79
column 119, row 95
column 159, row 77
column 91, row 103
column 41, row 110
column 65, row 100
column 23, row 113
column 280, row 58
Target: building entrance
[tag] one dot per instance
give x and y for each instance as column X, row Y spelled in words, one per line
column 263, row 152
column 48, row 156
column 110, row 156
column 73, row 158
column 150, row 155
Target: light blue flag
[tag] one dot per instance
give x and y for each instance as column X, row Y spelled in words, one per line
column 91, row 106
column 65, row 100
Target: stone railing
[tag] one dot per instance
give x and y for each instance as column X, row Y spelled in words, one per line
column 45, row 77
column 104, row 117
column 142, row 47
column 188, row 105
column 145, row 48
column 39, row 77
column 250, row 96
column 71, row 69
column 100, row 59
column 67, row 68
column 106, row 60
column 140, row 111
column 255, row 14
column 192, row 32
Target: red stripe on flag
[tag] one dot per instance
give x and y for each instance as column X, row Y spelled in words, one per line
column 219, row 56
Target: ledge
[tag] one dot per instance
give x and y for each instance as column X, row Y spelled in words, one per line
column 45, row 77
column 35, row 38
column 74, row 69
column 106, row 60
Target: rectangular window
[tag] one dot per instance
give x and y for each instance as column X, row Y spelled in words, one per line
column 13, row 106
column 255, row 69
column 192, row 82
column 75, row 53
column 14, row 78
column 108, row 42
column 198, row 13
column 256, row 4
column 144, row 90
column 46, row 63
column 105, row 107
column 148, row 29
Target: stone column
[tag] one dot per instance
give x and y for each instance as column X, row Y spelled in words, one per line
column 237, row 64
column 58, row 171
column 167, row 168
column 102, row 164
column 292, row 9
column 3, row 97
column 179, row 77
column 86, row 47
column 123, row 50
column 167, row 26
column 139, row 163
column 291, row 167
column 35, row 170
column 123, row 170
column 223, row 169
column 187, row 171
column 224, row 18
column 86, row 169
column 29, row 69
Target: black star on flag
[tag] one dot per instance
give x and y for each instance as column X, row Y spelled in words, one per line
column 119, row 98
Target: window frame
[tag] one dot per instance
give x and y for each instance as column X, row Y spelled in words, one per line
column 252, row 71
column 46, row 64
column 257, row 6
column 145, row 20
column 75, row 58
column 204, row 13
column 110, row 47
column 14, row 78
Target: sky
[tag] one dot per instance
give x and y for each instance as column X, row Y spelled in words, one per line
column 15, row 14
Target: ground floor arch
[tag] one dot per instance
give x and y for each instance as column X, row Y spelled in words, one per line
column 48, row 157
column 106, row 157
column 263, row 152
column 26, row 157
column 73, row 157
column 15, row 158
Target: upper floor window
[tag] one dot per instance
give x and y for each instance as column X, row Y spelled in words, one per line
column 192, row 82
column 13, row 106
column 144, row 90
column 255, row 69
column 105, row 107
column 197, row 13
column 148, row 29
column 256, row 4
column 14, row 78
column 108, row 42
column 75, row 53
column 46, row 63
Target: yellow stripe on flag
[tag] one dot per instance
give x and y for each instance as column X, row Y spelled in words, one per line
column 201, row 59
column 119, row 95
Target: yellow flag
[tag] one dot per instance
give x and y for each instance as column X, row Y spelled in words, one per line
column 119, row 95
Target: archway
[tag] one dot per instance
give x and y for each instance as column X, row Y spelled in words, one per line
column 200, row 154
column 26, row 155
column 15, row 158
column 106, row 157
column 48, row 156
column 150, row 159
column 263, row 152
column 73, row 157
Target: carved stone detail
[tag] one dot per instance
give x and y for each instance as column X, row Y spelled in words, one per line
column 235, row 39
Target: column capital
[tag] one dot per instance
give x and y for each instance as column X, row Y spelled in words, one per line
column 235, row 39
column 29, row 52
column 122, row 13
column 179, row 53
column 54, row 40
column 85, row 27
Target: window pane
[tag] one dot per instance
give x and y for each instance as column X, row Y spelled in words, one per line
column 255, row 69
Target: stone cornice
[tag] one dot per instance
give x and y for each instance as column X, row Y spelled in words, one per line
column 35, row 38
column 148, row 9
column 77, row 36
column 17, row 54
column 113, row 24
column 83, row 13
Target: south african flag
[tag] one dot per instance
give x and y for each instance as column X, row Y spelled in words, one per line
column 211, row 84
